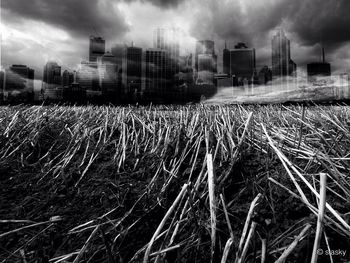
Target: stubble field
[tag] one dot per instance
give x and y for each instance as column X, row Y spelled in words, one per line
column 175, row 184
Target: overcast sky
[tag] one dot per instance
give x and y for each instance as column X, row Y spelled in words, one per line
column 35, row 31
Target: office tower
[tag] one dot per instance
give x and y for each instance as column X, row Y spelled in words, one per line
column 169, row 41
column 19, row 83
column 318, row 69
column 226, row 60
column 118, row 51
column 132, row 72
column 242, row 62
column 52, row 74
column 205, row 62
column 52, row 81
column 156, row 80
column 97, row 48
column 108, row 75
column 206, row 47
column 88, row 77
column 67, row 78
column 206, row 69
column 282, row 64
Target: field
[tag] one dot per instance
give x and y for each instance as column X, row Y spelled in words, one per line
column 175, row 184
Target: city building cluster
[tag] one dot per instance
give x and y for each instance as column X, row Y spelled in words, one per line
column 129, row 74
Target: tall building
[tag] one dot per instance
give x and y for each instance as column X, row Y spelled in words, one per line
column 97, row 48
column 108, row 71
column 226, row 60
column 118, row 51
column 240, row 62
column 132, row 72
column 52, row 73
column 155, row 74
column 67, row 78
column 19, row 83
column 206, row 69
column 205, row 47
column 52, row 81
column 282, row 64
column 205, row 62
column 318, row 69
column 169, row 41
column 88, row 77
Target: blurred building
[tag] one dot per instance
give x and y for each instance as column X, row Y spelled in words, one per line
column 88, row 78
column 226, row 60
column 265, row 75
column 156, row 78
column 19, row 84
column 205, row 62
column 206, row 69
column 67, row 78
column 96, row 49
column 51, row 87
column 206, row 47
column 74, row 93
column 108, row 73
column 318, row 69
column 118, row 52
column 240, row 62
column 168, row 40
column 282, row 64
column 224, row 80
column 132, row 73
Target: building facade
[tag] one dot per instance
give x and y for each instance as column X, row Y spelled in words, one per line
column 282, row 64
column 132, row 72
column 97, row 48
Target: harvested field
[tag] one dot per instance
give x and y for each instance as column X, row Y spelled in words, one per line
column 175, row 184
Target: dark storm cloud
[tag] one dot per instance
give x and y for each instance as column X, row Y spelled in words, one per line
column 312, row 21
column 78, row 17
column 321, row 20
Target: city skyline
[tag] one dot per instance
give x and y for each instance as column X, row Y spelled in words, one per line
column 67, row 44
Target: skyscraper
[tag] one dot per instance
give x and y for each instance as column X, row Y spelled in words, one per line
column 52, row 74
column 206, row 47
column 67, row 78
column 88, row 78
column 155, row 74
column 19, row 83
column 205, row 61
column 226, row 60
column 282, row 64
column 108, row 76
column 169, row 41
column 132, row 72
column 240, row 62
column 97, row 48
column 206, row 68
column 52, row 88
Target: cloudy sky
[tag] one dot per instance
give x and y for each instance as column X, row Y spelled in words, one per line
column 35, row 31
